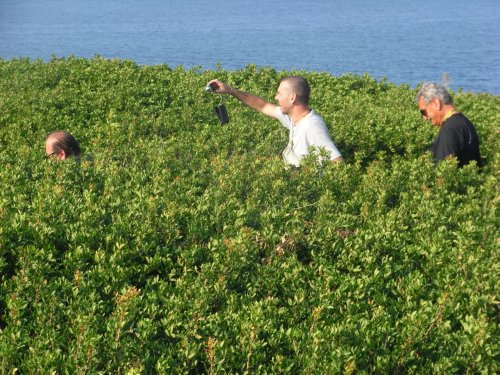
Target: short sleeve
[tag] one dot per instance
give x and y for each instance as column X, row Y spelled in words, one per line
column 284, row 119
column 320, row 139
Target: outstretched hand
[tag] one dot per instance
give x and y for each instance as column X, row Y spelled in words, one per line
column 253, row 101
column 220, row 87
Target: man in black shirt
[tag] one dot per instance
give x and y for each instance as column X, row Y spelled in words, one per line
column 457, row 136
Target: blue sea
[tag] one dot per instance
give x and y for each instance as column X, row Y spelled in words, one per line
column 404, row 41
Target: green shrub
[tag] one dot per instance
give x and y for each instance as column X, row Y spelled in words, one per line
column 185, row 246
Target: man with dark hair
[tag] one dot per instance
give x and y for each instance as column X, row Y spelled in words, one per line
column 457, row 136
column 61, row 145
column 307, row 128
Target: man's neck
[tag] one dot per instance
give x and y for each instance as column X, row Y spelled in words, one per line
column 446, row 111
column 299, row 113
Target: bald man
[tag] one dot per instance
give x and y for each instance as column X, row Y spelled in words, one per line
column 61, row 145
column 307, row 129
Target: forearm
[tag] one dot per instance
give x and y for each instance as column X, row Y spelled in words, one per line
column 253, row 101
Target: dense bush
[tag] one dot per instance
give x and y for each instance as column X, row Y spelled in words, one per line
column 185, row 246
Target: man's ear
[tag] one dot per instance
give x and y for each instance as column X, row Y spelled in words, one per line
column 437, row 103
column 61, row 154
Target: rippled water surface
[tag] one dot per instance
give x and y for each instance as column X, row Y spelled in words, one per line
column 401, row 40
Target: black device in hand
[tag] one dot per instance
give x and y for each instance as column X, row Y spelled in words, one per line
column 221, row 113
column 220, row 110
column 210, row 88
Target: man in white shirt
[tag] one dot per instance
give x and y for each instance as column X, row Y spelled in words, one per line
column 307, row 128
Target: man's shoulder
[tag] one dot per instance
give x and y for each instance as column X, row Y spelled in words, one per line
column 457, row 120
column 282, row 118
column 456, row 125
column 316, row 119
column 279, row 113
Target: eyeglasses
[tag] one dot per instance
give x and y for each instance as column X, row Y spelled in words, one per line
column 423, row 111
column 52, row 154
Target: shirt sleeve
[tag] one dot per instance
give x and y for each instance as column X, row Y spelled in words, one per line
column 284, row 119
column 319, row 139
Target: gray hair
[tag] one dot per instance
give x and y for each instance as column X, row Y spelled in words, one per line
column 432, row 90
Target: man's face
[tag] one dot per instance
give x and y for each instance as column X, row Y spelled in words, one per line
column 284, row 96
column 430, row 111
column 52, row 151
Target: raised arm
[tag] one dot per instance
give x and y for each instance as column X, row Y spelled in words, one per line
column 252, row 101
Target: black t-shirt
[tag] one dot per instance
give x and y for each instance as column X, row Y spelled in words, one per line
column 457, row 137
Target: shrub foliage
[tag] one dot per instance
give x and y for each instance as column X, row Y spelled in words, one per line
column 185, row 246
